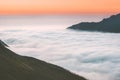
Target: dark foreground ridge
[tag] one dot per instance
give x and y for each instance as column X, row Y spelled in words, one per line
column 111, row 24
column 16, row 67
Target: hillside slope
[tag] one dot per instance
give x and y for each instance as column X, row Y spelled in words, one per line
column 16, row 67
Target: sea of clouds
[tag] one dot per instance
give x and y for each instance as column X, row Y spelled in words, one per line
column 94, row 55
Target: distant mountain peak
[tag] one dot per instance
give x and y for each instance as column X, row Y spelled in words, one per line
column 111, row 24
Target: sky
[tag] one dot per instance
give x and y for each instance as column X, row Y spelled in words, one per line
column 59, row 6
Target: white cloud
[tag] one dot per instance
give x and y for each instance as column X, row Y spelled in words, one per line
column 93, row 55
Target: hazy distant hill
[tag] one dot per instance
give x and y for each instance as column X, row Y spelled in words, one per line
column 111, row 24
column 16, row 67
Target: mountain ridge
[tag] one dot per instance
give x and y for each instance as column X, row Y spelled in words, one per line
column 111, row 24
column 17, row 67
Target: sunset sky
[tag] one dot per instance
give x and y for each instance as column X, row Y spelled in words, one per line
column 59, row 6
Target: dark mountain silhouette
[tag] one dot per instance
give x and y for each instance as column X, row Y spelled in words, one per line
column 16, row 67
column 111, row 24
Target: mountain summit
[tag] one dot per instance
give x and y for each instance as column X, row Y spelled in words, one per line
column 16, row 67
column 111, row 24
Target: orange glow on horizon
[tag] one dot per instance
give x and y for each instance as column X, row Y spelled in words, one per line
column 59, row 6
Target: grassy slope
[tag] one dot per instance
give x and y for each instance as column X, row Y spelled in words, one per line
column 16, row 67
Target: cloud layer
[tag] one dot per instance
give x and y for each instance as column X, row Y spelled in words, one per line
column 93, row 55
